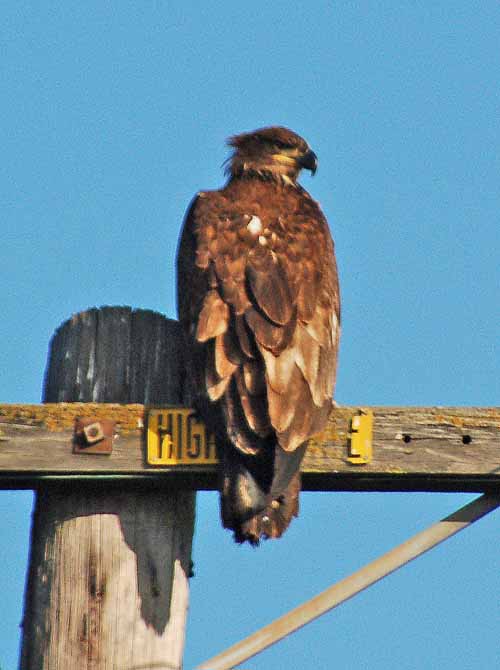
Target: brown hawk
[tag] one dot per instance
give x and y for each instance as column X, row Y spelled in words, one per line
column 258, row 299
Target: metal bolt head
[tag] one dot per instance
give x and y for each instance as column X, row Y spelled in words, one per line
column 93, row 433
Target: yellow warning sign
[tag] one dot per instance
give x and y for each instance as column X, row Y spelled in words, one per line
column 175, row 436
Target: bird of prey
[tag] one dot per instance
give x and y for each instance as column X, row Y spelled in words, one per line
column 258, row 299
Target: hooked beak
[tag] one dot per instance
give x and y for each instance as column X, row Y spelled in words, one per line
column 309, row 161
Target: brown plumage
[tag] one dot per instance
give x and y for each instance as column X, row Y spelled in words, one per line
column 258, row 298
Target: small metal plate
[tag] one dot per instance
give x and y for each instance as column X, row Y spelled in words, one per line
column 359, row 443
column 176, row 437
column 93, row 436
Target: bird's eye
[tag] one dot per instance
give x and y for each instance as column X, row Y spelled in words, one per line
column 282, row 145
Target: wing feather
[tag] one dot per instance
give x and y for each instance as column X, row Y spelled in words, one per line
column 254, row 408
column 245, row 339
column 214, row 317
column 308, row 360
column 216, row 379
column 279, row 369
column 254, row 378
column 269, row 335
column 269, row 285
column 299, row 428
column 226, row 356
column 283, row 406
column 238, row 429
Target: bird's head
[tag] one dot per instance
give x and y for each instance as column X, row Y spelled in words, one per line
column 274, row 152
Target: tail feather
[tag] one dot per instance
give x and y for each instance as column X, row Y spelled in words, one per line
column 260, row 497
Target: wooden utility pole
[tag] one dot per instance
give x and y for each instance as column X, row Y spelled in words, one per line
column 107, row 585
column 111, row 538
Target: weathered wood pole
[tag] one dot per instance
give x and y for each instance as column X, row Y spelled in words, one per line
column 107, row 585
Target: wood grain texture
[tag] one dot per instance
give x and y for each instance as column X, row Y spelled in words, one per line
column 108, row 585
column 115, row 354
column 414, row 448
column 109, row 566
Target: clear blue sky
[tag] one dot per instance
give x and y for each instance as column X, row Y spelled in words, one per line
column 115, row 113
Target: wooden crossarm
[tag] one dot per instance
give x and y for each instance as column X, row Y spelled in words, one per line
column 414, row 449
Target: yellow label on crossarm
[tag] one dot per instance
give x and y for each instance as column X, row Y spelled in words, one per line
column 360, row 438
column 176, row 437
